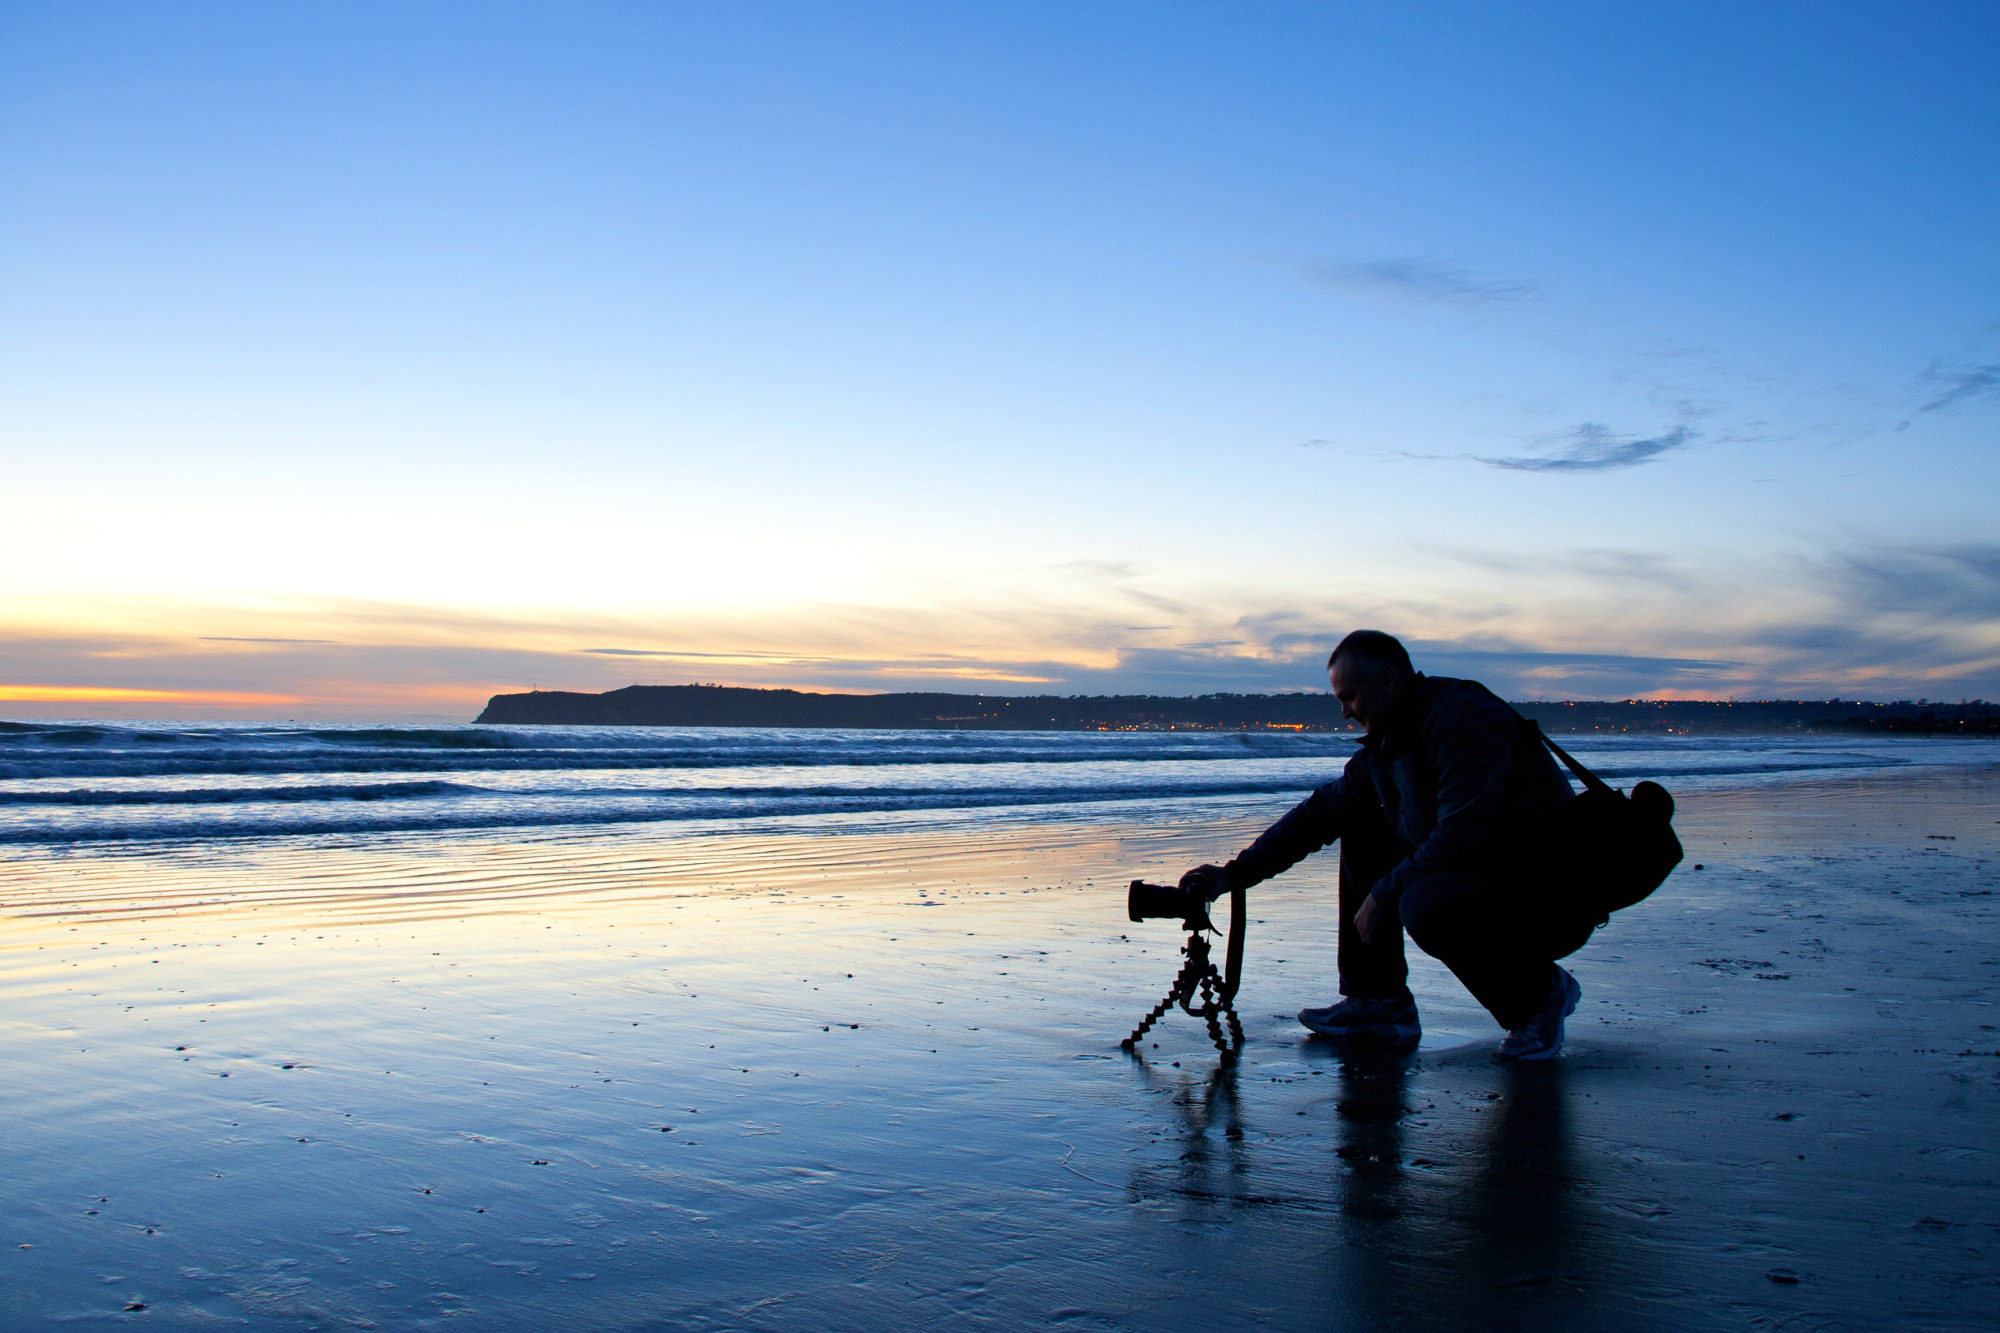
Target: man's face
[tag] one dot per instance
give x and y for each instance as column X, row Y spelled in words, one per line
column 1367, row 696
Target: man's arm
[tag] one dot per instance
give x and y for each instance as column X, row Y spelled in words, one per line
column 1306, row 827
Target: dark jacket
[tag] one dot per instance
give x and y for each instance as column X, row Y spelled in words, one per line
column 1453, row 773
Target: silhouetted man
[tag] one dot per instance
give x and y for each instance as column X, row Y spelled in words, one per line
column 1424, row 811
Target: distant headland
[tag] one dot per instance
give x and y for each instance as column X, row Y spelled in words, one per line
column 732, row 706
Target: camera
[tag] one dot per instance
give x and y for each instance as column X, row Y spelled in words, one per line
column 1202, row 989
column 1152, row 902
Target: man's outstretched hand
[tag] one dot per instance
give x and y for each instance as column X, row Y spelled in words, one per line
column 1211, row 881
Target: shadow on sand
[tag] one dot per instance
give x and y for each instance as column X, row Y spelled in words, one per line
column 1433, row 1209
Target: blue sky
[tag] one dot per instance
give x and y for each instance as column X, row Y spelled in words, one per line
column 362, row 360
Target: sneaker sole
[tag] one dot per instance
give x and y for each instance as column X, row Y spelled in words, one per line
column 1367, row 1036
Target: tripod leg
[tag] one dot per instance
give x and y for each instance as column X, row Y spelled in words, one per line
column 1215, row 1033
column 1148, row 1021
column 1183, row 987
column 1210, row 1009
column 1237, row 1029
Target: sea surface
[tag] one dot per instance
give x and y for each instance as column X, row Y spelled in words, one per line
column 85, row 783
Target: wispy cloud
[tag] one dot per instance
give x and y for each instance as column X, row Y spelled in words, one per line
column 1522, row 671
column 242, row 638
column 1951, row 385
column 1630, row 573
column 1426, row 280
column 664, row 652
column 1942, row 583
column 1592, row 447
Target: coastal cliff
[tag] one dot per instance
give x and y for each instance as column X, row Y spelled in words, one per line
column 731, row 706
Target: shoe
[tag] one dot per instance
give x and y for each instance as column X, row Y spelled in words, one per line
column 1542, row 1038
column 1382, row 1022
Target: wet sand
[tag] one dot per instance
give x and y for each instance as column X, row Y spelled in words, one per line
column 639, row 1080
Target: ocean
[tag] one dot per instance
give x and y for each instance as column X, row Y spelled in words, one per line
column 96, row 783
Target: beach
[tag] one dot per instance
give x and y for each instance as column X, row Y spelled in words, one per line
column 605, row 601
column 862, row 1071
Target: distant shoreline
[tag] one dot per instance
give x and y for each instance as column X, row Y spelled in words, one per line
column 734, row 706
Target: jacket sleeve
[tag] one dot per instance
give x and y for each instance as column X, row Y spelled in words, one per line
column 1307, row 827
column 1472, row 751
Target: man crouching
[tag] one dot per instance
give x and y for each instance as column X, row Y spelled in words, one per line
column 1446, row 774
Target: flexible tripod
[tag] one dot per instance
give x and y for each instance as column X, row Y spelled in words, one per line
column 1202, row 990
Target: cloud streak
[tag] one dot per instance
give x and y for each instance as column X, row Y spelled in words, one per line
column 1952, row 584
column 676, row 653
column 1416, row 279
column 1952, row 385
column 1593, row 447
column 1948, row 385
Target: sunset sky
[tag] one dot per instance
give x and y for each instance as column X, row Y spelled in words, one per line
column 361, row 361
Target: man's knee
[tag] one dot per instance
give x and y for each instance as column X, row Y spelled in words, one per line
column 1421, row 911
column 1437, row 907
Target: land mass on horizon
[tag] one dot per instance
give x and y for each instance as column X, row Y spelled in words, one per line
column 737, row 706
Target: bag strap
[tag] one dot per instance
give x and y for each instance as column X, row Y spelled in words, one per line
column 1584, row 775
column 1589, row 779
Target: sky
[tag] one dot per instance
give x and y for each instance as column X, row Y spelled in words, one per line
column 360, row 361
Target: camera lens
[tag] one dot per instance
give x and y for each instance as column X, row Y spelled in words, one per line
column 1144, row 902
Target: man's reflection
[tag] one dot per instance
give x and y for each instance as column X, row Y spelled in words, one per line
column 1454, row 1195
column 1373, row 1103
column 1377, row 1267
column 1483, row 1232
column 1524, row 1232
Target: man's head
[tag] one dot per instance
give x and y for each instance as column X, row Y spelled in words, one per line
column 1370, row 672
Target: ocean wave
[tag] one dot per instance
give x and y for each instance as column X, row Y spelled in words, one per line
column 359, row 791
column 789, row 806
column 303, row 763
column 1738, row 766
column 455, row 738
column 304, row 753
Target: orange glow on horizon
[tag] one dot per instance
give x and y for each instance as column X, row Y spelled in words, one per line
column 83, row 694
